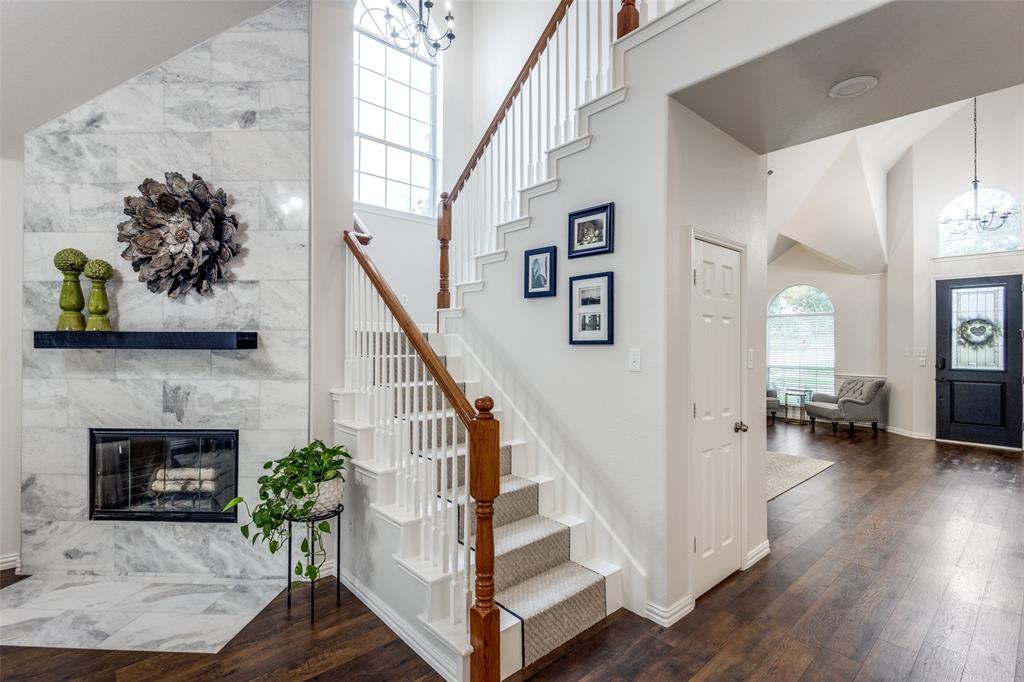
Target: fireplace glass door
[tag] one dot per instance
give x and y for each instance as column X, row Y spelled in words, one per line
column 168, row 475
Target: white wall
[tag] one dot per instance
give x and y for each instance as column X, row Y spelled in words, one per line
column 405, row 249
column 899, row 295
column 610, row 426
column 10, row 357
column 330, row 101
column 716, row 186
column 859, row 302
column 937, row 169
column 505, row 32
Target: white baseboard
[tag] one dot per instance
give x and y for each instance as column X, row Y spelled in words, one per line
column 909, row 434
column 8, row 561
column 444, row 665
column 756, row 554
column 667, row 616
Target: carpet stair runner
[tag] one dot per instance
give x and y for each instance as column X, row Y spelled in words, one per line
column 554, row 598
column 536, row 580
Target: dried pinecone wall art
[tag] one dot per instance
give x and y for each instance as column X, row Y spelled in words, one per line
column 180, row 236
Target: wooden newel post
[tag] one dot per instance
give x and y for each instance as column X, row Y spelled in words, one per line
column 444, row 235
column 628, row 19
column 484, row 622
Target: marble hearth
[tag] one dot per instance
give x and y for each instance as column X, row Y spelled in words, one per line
column 129, row 613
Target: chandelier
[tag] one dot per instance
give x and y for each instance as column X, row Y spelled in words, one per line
column 981, row 209
column 408, row 28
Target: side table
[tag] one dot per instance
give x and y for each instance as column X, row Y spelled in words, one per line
column 310, row 521
column 801, row 396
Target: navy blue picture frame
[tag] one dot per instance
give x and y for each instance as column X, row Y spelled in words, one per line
column 610, row 310
column 552, row 252
column 608, row 211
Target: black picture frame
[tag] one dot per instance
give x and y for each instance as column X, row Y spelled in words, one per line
column 606, row 214
column 529, row 288
column 603, row 310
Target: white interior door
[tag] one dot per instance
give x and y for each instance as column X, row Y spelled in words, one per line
column 716, row 373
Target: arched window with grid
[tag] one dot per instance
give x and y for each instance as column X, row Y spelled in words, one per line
column 801, row 340
column 395, row 118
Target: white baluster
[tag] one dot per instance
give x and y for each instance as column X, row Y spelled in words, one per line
column 441, row 469
column 588, row 48
column 453, row 533
column 467, row 555
column 556, row 92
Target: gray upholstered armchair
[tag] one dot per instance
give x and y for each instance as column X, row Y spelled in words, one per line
column 858, row 400
column 773, row 404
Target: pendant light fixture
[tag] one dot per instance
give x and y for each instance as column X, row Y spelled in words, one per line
column 981, row 209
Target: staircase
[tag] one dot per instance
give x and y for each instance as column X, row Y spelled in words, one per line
column 402, row 416
column 436, row 470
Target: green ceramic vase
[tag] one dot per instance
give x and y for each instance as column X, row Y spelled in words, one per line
column 71, row 304
column 99, row 306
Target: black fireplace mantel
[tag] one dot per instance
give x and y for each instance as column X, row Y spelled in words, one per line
column 165, row 340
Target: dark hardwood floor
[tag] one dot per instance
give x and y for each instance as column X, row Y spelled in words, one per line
column 904, row 560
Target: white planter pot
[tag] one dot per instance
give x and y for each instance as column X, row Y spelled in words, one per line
column 330, row 496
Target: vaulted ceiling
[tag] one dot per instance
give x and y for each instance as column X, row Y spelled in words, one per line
column 57, row 54
column 829, row 194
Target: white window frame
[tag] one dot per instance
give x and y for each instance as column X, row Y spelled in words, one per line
column 940, row 230
column 434, row 133
column 798, row 369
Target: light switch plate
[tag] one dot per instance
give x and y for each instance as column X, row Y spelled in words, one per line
column 634, row 359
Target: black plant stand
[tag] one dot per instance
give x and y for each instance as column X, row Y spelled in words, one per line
column 310, row 522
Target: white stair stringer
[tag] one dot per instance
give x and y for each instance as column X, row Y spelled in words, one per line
column 601, row 549
column 527, row 194
column 385, row 564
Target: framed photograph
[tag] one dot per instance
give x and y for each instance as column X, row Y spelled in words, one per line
column 591, row 231
column 539, row 272
column 591, row 309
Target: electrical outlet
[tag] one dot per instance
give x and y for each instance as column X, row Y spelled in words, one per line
column 634, row 359
column 405, row 299
column 922, row 362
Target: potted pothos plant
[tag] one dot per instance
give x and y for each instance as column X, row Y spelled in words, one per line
column 301, row 485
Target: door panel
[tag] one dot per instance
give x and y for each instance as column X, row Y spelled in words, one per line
column 978, row 360
column 716, row 365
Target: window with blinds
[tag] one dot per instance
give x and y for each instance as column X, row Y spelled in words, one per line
column 801, row 341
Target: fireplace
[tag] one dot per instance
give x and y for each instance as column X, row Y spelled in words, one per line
column 162, row 475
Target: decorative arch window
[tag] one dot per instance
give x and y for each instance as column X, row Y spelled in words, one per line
column 395, row 117
column 981, row 220
column 801, row 340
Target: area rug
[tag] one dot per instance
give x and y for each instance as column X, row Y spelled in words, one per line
column 786, row 471
column 122, row 613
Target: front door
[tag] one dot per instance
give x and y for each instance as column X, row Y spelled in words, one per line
column 716, row 371
column 978, row 360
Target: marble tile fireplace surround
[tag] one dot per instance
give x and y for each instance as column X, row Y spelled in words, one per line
column 233, row 109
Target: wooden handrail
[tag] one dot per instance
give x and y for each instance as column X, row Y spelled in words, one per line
column 484, row 468
column 444, row 380
column 362, row 234
column 506, row 104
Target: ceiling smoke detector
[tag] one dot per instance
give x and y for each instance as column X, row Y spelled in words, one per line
column 852, row 87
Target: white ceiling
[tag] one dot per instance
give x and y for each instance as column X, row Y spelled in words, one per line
column 57, row 54
column 926, row 53
column 829, row 194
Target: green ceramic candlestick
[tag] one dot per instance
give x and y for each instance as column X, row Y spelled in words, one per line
column 70, row 262
column 99, row 271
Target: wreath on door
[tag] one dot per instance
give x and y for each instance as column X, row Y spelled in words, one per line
column 977, row 333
